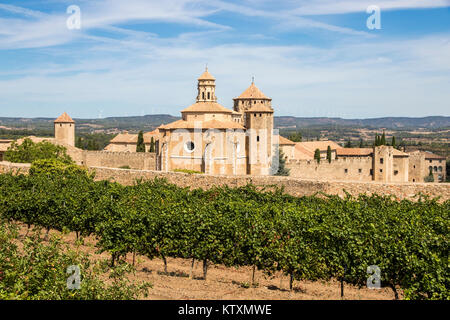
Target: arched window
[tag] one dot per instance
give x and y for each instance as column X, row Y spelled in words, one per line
column 209, row 95
column 203, row 95
column 435, row 169
column 440, row 169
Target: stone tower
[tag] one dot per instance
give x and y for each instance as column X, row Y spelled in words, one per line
column 383, row 163
column 249, row 98
column 206, row 88
column 65, row 130
column 257, row 117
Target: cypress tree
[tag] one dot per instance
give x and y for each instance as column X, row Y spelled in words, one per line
column 393, row 141
column 282, row 170
column 317, row 155
column 383, row 140
column 329, row 154
column 152, row 145
column 348, row 144
column 140, row 146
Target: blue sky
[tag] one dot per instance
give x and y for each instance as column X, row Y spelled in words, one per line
column 312, row 57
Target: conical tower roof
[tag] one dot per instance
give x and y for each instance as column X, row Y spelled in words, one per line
column 206, row 75
column 64, row 118
column 253, row 92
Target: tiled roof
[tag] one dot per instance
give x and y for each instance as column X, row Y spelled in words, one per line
column 301, row 153
column 354, row 151
column 207, row 107
column 321, row 145
column 253, row 92
column 64, row 118
column 283, row 141
column 398, row 153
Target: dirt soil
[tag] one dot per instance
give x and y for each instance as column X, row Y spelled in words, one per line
column 225, row 283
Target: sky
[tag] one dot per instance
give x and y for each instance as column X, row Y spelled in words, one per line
column 314, row 58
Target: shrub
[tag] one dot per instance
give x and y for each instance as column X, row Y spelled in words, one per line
column 28, row 151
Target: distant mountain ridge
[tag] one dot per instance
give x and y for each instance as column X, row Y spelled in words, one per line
column 150, row 122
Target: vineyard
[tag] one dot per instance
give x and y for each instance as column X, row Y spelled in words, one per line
column 309, row 238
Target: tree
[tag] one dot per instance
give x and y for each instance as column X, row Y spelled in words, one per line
column 295, row 137
column 329, row 154
column 430, row 177
column 383, row 139
column 361, row 143
column 317, row 155
column 28, row 151
column 282, row 170
column 152, row 145
column 140, row 146
column 348, row 144
column 393, row 142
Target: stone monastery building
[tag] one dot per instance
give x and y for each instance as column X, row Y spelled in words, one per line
column 215, row 140
column 212, row 139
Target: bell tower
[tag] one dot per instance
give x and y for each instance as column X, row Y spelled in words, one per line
column 206, row 88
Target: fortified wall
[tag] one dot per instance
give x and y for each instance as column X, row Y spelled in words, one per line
column 292, row 186
column 135, row 160
column 345, row 169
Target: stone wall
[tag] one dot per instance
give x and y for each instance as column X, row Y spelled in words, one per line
column 345, row 169
column 6, row 167
column 293, row 186
column 135, row 160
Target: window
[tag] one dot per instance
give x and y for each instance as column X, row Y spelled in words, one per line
column 381, row 170
column 435, row 169
column 440, row 177
column 260, row 114
column 359, row 170
column 255, row 114
column 414, row 180
column 414, row 166
column 371, row 172
column 60, row 124
column 395, row 172
column 430, row 168
column 440, row 169
column 430, row 161
column 209, row 95
column 257, row 138
column 381, row 160
column 203, row 95
column 189, row 146
column 346, row 170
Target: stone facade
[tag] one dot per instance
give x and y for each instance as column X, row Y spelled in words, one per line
column 421, row 163
column 345, row 169
column 215, row 140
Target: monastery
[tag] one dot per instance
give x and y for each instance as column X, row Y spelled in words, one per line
column 212, row 139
